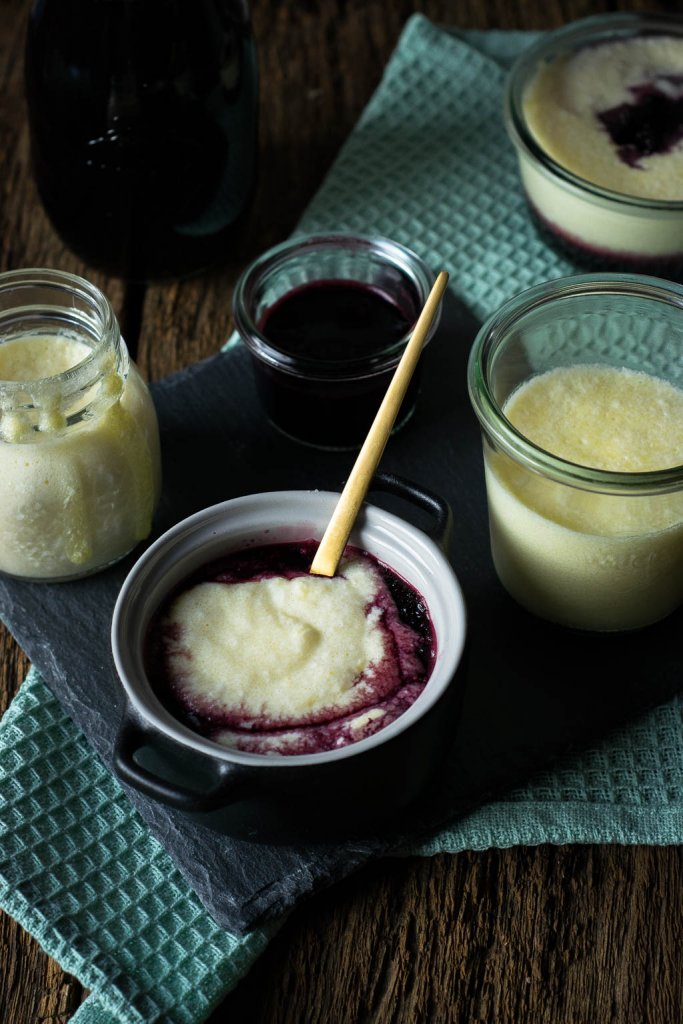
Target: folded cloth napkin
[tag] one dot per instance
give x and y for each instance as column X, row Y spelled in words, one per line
column 428, row 165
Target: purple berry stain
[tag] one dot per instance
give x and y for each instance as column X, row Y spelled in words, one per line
column 392, row 685
column 651, row 124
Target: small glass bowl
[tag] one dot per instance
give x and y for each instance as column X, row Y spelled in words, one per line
column 329, row 402
column 584, row 547
column 595, row 226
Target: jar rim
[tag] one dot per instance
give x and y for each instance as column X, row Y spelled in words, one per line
column 399, row 256
column 103, row 327
column 570, row 37
column 500, row 430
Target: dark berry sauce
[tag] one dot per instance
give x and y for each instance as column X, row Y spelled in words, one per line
column 651, row 124
column 341, row 341
column 336, row 320
column 409, row 642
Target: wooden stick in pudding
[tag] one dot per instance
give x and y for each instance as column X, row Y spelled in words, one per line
column 344, row 516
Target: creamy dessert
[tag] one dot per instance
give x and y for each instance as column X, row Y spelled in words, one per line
column 610, row 113
column 79, row 475
column 613, row 114
column 580, row 557
column 261, row 656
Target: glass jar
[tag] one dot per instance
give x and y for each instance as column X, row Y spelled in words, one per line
column 598, row 227
column 79, row 442
column 143, row 118
column 591, row 548
column 326, row 319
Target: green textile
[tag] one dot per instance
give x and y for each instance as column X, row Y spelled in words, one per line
column 80, row 870
column 429, row 165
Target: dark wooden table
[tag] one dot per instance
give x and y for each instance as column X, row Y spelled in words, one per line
column 549, row 934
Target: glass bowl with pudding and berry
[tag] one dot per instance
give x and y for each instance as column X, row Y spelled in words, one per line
column 595, row 112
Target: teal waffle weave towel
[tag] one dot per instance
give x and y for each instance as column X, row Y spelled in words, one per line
column 428, row 164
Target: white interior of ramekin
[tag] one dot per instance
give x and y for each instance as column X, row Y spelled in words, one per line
column 269, row 518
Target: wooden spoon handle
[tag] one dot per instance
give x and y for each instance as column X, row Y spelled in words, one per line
column 340, row 525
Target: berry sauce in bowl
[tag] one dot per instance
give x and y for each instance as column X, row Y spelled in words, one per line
column 326, row 319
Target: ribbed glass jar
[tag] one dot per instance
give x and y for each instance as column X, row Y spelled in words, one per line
column 598, row 227
column 79, row 442
column 592, row 548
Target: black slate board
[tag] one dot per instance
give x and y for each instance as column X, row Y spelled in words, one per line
column 531, row 690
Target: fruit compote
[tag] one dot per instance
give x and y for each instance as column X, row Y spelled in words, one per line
column 336, row 321
column 336, row 338
column 259, row 655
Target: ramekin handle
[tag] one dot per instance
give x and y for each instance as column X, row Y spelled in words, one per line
column 439, row 509
column 227, row 782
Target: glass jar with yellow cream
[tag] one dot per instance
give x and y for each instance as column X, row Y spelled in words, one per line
column 79, row 441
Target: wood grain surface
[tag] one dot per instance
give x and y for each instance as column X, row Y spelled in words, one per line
column 550, row 934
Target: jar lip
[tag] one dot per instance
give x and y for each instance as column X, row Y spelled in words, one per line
column 496, row 425
column 399, row 256
column 103, row 330
column 570, row 37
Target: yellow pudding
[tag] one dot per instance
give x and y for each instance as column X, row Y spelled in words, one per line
column 283, row 648
column 33, row 357
column 580, row 557
column 600, row 113
column 264, row 657
column 595, row 112
column 79, row 469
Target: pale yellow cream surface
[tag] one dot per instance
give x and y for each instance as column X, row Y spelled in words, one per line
column 563, row 100
column 34, row 357
column 74, row 496
column 584, row 558
column 282, row 649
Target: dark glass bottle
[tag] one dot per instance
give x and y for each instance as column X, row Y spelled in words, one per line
column 143, row 117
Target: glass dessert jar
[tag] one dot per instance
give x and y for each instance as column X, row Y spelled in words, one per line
column 577, row 386
column 326, row 319
column 594, row 113
column 79, row 443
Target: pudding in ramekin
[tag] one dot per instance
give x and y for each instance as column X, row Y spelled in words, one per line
column 259, row 655
column 308, row 726
column 595, row 111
